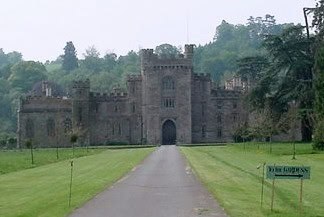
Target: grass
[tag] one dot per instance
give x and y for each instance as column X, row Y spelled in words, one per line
column 15, row 160
column 231, row 175
column 43, row 191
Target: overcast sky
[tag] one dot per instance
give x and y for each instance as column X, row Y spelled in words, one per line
column 39, row 29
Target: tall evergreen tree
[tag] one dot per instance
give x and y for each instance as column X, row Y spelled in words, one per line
column 319, row 98
column 70, row 60
column 288, row 77
column 318, row 23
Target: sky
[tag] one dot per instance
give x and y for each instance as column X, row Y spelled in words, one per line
column 39, row 29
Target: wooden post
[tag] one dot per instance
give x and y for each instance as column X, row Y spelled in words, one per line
column 70, row 195
column 301, row 197
column 273, row 191
column 32, row 154
column 262, row 184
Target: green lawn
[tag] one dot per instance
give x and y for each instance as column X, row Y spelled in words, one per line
column 15, row 160
column 231, row 175
column 43, row 191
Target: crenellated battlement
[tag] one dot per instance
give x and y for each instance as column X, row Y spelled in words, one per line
column 147, row 54
column 33, row 98
column 37, row 104
column 113, row 96
column 189, row 50
column 149, row 58
column 175, row 66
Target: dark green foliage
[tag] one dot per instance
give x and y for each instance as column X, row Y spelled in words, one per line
column 233, row 42
column 9, row 58
column 285, row 77
column 92, row 61
column 26, row 73
column 318, row 18
column 167, row 51
column 70, row 60
column 251, row 68
column 29, row 144
column 74, row 138
column 16, row 78
column 319, row 98
column 318, row 142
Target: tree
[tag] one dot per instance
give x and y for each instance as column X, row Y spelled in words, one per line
column 318, row 18
column 250, row 69
column 110, row 61
column 318, row 23
column 25, row 74
column 92, row 60
column 224, row 32
column 319, row 98
column 9, row 58
column 288, row 77
column 232, row 42
column 167, row 51
column 70, row 60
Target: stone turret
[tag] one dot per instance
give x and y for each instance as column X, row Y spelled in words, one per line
column 80, row 109
column 189, row 50
column 166, row 96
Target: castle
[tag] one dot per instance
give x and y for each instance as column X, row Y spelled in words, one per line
column 166, row 104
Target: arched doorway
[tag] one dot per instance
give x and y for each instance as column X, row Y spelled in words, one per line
column 169, row 133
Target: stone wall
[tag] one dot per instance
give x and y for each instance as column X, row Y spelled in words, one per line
column 47, row 121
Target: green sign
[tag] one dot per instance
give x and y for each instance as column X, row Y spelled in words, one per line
column 288, row 172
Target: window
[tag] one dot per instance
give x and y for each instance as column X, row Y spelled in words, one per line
column 168, row 84
column 234, row 105
column 219, row 133
column 80, row 114
column 133, row 107
column 67, row 125
column 203, row 131
column 219, row 104
column 116, row 108
column 234, row 117
column 119, row 129
column 50, row 125
column 219, row 119
column 168, row 103
column 29, row 129
column 203, row 108
column 133, row 88
column 113, row 129
column 203, row 86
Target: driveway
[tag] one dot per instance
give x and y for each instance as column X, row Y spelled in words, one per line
column 162, row 186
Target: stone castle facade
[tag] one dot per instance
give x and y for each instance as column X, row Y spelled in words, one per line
column 166, row 104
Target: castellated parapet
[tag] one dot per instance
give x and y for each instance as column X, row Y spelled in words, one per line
column 150, row 60
column 189, row 51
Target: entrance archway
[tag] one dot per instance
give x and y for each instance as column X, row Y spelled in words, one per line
column 169, row 133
